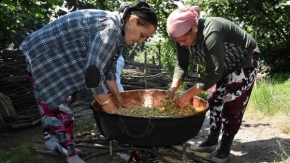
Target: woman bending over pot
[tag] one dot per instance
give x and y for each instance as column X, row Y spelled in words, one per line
column 60, row 54
column 230, row 56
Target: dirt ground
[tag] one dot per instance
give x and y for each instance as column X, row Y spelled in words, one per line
column 256, row 142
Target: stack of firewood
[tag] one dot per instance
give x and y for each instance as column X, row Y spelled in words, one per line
column 144, row 76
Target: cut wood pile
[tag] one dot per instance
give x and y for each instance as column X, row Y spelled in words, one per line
column 140, row 76
column 14, row 84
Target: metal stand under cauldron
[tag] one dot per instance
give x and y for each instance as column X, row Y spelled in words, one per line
column 150, row 132
column 169, row 153
column 136, row 154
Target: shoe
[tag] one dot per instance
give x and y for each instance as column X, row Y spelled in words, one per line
column 74, row 159
column 220, row 160
column 223, row 154
column 205, row 147
column 221, row 157
column 211, row 142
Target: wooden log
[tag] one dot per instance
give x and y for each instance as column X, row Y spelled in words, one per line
column 24, row 123
column 6, row 107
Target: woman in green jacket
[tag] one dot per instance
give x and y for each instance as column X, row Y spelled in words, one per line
column 230, row 56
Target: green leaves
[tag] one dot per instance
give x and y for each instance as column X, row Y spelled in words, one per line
column 267, row 21
column 52, row 1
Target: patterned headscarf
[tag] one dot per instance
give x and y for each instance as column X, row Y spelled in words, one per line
column 181, row 20
column 141, row 9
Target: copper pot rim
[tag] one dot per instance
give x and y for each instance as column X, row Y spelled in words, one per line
column 138, row 96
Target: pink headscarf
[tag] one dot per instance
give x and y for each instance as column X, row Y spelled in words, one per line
column 181, row 20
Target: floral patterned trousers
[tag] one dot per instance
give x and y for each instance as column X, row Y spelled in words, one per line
column 57, row 125
column 230, row 97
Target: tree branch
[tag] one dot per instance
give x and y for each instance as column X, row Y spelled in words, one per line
column 8, row 34
column 276, row 26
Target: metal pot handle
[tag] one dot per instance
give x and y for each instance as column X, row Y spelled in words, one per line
column 147, row 132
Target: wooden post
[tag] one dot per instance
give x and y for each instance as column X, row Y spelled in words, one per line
column 159, row 55
column 145, row 70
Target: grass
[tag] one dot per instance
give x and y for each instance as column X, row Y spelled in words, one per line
column 270, row 97
column 21, row 152
column 17, row 154
column 281, row 154
column 85, row 124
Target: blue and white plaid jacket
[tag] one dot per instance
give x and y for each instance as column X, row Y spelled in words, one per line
column 59, row 53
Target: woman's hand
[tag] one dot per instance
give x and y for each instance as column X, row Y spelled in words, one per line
column 119, row 102
column 183, row 99
column 107, row 104
column 174, row 86
column 110, row 108
column 112, row 85
column 170, row 92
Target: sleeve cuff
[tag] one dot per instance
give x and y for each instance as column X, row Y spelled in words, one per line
column 111, row 76
column 101, row 89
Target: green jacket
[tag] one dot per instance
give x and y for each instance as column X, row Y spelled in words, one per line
column 221, row 46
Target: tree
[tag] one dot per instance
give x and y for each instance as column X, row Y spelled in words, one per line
column 267, row 21
column 19, row 18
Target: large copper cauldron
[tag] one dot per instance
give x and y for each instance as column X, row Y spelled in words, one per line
column 149, row 131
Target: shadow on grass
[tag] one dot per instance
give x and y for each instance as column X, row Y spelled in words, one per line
column 272, row 150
